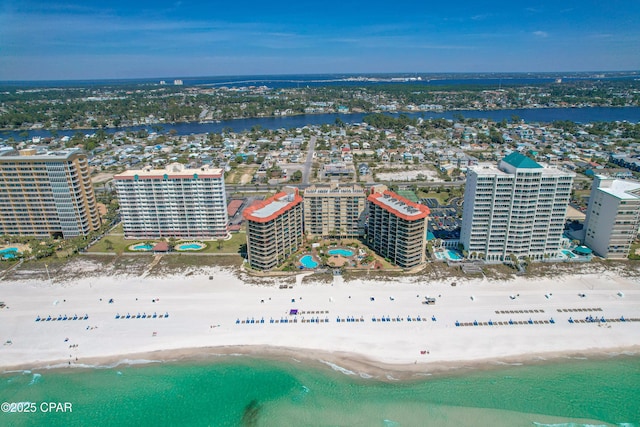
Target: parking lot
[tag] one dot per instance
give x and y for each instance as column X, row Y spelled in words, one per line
column 443, row 221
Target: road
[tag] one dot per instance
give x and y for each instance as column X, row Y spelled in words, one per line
column 307, row 165
column 232, row 188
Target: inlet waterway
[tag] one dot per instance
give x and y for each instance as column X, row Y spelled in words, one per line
column 537, row 115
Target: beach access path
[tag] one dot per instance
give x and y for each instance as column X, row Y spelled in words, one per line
column 517, row 320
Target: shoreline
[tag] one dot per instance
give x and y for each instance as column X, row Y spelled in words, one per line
column 354, row 365
column 226, row 316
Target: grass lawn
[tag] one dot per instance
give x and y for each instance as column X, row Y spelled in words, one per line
column 118, row 229
column 118, row 243
column 231, row 246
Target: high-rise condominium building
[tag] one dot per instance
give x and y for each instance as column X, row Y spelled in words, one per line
column 613, row 216
column 173, row 202
column 46, row 193
column 397, row 228
column 516, row 208
column 334, row 211
column 274, row 229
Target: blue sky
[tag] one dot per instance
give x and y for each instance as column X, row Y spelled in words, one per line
column 42, row 40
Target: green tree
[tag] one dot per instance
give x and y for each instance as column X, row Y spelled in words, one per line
column 296, row 176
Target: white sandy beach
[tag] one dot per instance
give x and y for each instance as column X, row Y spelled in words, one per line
column 203, row 315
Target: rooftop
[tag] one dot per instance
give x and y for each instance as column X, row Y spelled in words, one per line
column 399, row 206
column 173, row 170
column 518, row 160
column 490, row 169
column 337, row 190
column 38, row 154
column 273, row 207
column 621, row 188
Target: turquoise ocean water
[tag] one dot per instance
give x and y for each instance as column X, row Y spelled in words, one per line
column 241, row 391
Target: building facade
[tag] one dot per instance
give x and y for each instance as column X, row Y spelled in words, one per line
column 46, row 194
column 334, row 211
column 173, row 202
column 396, row 228
column 613, row 216
column 518, row 208
column 274, row 229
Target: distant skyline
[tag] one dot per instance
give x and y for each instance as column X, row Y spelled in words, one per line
column 42, row 40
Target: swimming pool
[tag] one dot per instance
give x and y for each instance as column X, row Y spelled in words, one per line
column 343, row 252
column 8, row 253
column 449, row 254
column 569, row 254
column 193, row 246
column 141, row 247
column 308, row 262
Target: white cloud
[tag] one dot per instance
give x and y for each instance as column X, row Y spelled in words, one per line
column 541, row 34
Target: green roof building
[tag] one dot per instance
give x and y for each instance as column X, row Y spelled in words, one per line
column 520, row 161
column 517, row 208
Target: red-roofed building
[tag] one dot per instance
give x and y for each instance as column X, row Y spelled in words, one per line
column 161, row 247
column 397, row 228
column 274, row 229
column 233, row 207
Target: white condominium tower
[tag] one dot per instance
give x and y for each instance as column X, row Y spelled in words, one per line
column 334, row 211
column 613, row 216
column 46, row 193
column 173, row 202
column 517, row 208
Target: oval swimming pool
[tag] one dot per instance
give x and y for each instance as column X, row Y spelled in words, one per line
column 141, row 247
column 193, row 246
column 343, row 252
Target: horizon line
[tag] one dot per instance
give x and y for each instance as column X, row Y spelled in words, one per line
column 406, row 74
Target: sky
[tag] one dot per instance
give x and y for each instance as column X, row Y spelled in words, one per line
column 89, row 39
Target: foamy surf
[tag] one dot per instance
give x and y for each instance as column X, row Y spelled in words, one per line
column 568, row 425
column 36, row 379
column 337, row 368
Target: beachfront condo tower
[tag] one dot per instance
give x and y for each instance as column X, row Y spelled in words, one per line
column 46, row 193
column 396, row 228
column 613, row 216
column 173, row 202
column 334, row 211
column 517, row 208
column 274, row 229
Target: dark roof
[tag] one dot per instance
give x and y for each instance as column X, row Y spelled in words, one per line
column 518, row 160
